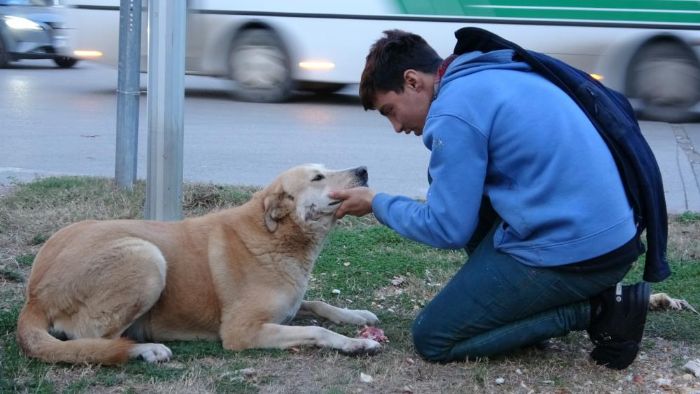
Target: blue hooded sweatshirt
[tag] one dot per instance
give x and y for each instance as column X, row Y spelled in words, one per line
column 497, row 129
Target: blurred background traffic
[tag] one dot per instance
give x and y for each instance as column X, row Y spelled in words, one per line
column 34, row 29
column 648, row 50
column 292, row 69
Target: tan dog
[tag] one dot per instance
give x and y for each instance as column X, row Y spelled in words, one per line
column 236, row 275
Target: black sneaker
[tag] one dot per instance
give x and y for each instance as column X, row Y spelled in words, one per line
column 618, row 315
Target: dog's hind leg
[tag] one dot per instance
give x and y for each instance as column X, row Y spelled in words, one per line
column 115, row 286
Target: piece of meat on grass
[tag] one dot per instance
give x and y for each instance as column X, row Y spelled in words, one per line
column 374, row 333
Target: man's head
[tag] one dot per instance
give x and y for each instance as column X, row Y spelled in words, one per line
column 398, row 79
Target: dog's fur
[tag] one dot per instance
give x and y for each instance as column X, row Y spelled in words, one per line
column 236, row 275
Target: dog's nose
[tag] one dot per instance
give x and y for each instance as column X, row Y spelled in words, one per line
column 361, row 174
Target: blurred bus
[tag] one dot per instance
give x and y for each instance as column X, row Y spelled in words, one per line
column 647, row 49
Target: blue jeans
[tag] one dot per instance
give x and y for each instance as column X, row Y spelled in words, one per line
column 495, row 304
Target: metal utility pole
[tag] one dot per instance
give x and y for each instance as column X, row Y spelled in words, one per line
column 128, row 93
column 166, row 97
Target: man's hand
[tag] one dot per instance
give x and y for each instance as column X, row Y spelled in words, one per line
column 356, row 201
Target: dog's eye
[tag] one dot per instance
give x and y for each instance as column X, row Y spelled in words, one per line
column 318, row 177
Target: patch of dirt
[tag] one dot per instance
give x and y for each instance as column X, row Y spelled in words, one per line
column 5, row 190
column 564, row 367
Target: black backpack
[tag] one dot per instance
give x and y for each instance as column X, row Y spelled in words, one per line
column 614, row 118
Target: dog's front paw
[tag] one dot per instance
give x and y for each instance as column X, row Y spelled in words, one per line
column 361, row 346
column 151, row 352
column 362, row 317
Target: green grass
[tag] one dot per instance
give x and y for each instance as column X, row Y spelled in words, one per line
column 11, row 275
column 689, row 217
column 376, row 254
column 25, row 260
column 360, row 259
column 684, row 283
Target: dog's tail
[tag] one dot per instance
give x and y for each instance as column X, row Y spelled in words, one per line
column 34, row 339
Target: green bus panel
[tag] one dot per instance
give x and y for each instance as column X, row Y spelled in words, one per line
column 668, row 11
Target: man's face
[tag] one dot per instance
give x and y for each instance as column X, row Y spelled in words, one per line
column 406, row 110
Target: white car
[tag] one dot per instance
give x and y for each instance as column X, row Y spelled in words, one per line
column 33, row 29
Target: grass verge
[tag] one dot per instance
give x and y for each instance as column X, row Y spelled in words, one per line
column 360, row 260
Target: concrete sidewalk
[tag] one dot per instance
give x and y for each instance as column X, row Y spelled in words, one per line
column 679, row 161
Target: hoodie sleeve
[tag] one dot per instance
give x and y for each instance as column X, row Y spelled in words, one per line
column 457, row 168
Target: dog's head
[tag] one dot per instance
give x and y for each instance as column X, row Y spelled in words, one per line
column 303, row 193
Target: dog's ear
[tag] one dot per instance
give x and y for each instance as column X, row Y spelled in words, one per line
column 277, row 205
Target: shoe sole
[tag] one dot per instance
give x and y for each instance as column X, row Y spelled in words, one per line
column 617, row 356
column 640, row 295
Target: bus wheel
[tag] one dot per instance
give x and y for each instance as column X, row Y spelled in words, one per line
column 65, row 61
column 665, row 76
column 259, row 67
column 321, row 87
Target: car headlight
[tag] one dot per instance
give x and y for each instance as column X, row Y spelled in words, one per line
column 17, row 23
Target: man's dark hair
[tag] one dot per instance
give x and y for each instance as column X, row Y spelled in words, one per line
column 387, row 60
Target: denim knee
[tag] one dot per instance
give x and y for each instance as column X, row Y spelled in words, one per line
column 429, row 345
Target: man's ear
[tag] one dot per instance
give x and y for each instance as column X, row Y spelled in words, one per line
column 276, row 206
column 412, row 80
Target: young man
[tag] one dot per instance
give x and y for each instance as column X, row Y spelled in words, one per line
column 508, row 145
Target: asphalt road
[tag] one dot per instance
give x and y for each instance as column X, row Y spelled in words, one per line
column 55, row 121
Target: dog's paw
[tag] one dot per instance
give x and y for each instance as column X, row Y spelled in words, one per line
column 361, row 317
column 361, row 346
column 151, row 352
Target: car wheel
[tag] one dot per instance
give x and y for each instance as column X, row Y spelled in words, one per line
column 259, row 67
column 65, row 61
column 665, row 76
column 4, row 56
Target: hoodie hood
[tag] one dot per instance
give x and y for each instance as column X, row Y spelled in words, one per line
column 473, row 62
